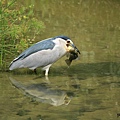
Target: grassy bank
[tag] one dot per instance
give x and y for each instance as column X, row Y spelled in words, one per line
column 18, row 30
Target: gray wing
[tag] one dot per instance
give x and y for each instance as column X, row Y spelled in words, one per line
column 42, row 45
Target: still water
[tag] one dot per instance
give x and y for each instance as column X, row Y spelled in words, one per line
column 90, row 88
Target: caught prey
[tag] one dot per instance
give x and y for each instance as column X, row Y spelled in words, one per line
column 72, row 56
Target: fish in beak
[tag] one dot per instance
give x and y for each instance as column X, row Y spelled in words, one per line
column 75, row 49
column 73, row 54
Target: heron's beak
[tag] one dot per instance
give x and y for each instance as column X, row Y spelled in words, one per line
column 72, row 48
column 75, row 48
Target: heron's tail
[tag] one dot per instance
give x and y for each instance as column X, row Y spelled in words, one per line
column 11, row 66
column 15, row 65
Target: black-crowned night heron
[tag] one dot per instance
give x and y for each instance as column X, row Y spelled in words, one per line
column 44, row 53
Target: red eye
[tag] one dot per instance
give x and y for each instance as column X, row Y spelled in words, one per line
column 68, row 41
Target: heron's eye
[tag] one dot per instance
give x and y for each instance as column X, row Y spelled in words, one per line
column 68, row 41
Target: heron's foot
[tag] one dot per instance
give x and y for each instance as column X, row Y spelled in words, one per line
column 47, row 80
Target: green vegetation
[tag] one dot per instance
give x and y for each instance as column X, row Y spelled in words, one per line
column 18, row 30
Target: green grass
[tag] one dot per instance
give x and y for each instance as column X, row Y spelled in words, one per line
column 17, row 22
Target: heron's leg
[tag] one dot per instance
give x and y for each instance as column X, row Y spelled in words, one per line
column 46, row 71
column 35, row 71
column 46, row 68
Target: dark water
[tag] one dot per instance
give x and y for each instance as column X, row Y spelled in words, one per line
column 90, row 88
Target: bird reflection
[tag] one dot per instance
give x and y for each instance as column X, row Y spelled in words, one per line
column 43, row 93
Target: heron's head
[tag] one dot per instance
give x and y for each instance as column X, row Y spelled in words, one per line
column 70, row 47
